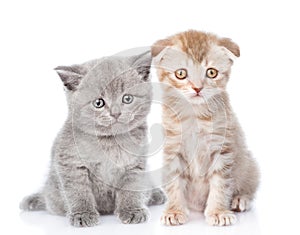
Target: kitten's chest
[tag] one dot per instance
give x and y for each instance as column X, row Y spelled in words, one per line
column 201, row 138
column 109, row 161
column 196, row 128
column 196, row 136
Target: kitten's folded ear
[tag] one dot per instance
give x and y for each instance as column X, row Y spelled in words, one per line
column 158, row 46
column 142, row 64
column 71, row 75
column 230, row 45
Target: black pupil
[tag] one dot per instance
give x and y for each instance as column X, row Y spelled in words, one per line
column 127, row 98
column 99, row 103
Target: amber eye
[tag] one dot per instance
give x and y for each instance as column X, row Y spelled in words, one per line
column 211, row 73
column 181, row 73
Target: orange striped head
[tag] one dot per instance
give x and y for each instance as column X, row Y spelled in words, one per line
column 197, row 64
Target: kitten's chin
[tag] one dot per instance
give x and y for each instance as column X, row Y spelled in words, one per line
column 112, row 129
column 195, row 99
column 115, row 128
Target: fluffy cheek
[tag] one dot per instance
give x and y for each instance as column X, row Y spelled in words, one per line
column 90, row 118
column 220, row 82
column 82, row 118
column 141, row 109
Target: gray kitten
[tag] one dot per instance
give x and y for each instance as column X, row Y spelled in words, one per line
column 99, row 156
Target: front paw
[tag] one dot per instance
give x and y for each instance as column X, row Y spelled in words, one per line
column 222, row 218
column 133, row 216
column 240, row 203
column 84, row 219
column 171, row 218
column 157, row 197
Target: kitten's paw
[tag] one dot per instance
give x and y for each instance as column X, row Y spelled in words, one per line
column 133, row 216
column 224, row 218
column 157, row 197
column 173, row 218
column 84, row 219
column 240, row 203
column 33, row 202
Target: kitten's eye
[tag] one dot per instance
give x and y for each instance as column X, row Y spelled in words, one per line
column 127, row 99
column 98, row 103
column 181, row 73
column 211, row 73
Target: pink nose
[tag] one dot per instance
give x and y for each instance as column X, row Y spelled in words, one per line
column 197, row 89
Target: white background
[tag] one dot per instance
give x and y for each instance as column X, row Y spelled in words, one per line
column 37, row 36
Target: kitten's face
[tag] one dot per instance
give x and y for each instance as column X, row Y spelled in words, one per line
column 198, row 76
column 118, row 106
column 113, row 98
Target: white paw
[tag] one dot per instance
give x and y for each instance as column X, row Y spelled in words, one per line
column 240, row 203
column 221, row 218
column 173, row 218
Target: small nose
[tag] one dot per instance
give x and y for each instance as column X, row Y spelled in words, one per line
column 115, row 112
column 197, row 89
column 115, row 115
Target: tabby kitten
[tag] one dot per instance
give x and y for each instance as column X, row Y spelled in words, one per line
column 207, row 164
column 98, row 158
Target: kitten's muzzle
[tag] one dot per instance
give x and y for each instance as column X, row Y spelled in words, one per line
column 197, row 89
column 116, row 115
column 115, row 112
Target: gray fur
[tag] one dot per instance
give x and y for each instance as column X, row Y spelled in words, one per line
column 97, row 167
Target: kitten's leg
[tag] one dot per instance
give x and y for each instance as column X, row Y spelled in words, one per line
column 217, row 210
column 176, row 212
column 130, row 200
column 76, row 191
column 246, row 175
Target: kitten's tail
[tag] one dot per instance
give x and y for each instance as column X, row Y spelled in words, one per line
column 157, row 197
column 34, row 202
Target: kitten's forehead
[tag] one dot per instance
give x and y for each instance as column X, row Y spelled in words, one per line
column 122, row 83
column 107, row 72
column 174, row 58
column 195, row 44
column 200, row 45
column 110, row 78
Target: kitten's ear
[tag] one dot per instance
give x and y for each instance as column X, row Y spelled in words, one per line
column 230, row 45
column 159, row 46
column 142, row 64
column 71, row 75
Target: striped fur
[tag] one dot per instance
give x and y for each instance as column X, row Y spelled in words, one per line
column 207, row 165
